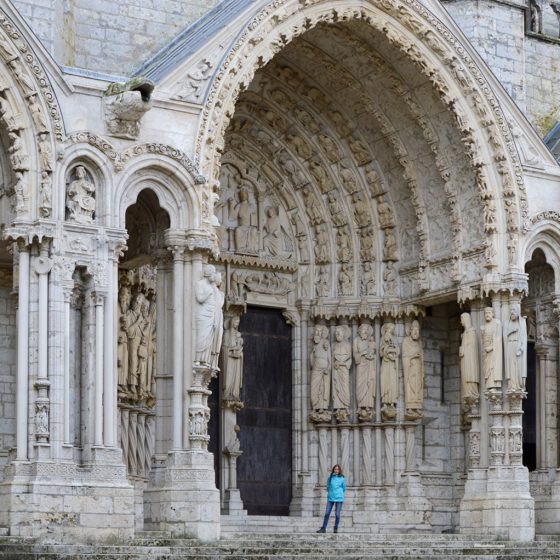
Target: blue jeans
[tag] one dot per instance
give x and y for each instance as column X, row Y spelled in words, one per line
column 338, row 507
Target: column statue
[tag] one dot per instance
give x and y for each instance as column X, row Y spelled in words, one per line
column 468, row 360
column 413, row 368
column 233, row 365
column 320, row 362
column 218, row 323
column 205, row 296
column 364, row 358
column 389, row 353
column 342, row 362
column 134, row 321
column 122, row 340
column 492, row 350
column 515, row 350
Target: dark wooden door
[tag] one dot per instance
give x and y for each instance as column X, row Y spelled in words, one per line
column 264, row 471
column 530, row 411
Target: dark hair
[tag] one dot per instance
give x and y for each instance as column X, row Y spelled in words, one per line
column 339, row 470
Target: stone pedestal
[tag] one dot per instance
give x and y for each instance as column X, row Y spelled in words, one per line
column 498, row 504
column 304, row 497
column 185, row 501
column 75, row 503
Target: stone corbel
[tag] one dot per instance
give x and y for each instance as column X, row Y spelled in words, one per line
column 125, row 105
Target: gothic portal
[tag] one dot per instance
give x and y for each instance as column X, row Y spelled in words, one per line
column 322, row 233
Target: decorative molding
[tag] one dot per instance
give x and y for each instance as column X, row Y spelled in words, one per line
column 121, row 159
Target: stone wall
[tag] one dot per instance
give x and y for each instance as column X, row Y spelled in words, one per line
column 526, row 65
column 7, row 367
column 106, row 36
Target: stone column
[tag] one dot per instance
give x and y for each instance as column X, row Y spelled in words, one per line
column 497, row 500
column 98, row 301
column 542, row 351
column 42, row 266
column 183, row 500
column 22, row 390
column 178, row 341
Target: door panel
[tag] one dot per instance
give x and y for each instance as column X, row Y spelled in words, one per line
column 264, row 470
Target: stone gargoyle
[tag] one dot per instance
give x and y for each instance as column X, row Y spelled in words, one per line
column 125, row 105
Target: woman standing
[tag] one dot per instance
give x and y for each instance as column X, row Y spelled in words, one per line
column 336, row 486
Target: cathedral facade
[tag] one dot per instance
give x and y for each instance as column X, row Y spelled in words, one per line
column 245, row 240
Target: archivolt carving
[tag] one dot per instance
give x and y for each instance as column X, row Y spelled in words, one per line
column 222, row 97
column 30, row 76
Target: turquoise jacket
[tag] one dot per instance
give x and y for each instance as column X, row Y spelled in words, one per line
column 336, row 486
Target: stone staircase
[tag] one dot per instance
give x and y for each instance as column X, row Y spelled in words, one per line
column 286, row 539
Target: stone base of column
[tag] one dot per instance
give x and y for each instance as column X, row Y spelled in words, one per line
column 184, row 501
column 545, row 486
column 393, row 509
column 303, row 499
column 497, row 503
column 232, row 503
column 67, row 502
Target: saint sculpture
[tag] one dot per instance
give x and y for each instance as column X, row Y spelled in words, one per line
column 413, row 368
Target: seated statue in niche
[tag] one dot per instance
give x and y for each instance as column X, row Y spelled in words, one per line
column 413, row 368
column 233, row 366
column 389, row 353
column 468, row 362
column 515, row 350
column 245, row 234
column 364, row 358
column 80, row 197
column 342, row 361
column 275, row 241
column 320, row 362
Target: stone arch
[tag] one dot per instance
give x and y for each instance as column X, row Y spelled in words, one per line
column 436, row 53
column 100, row 169
column 30, row 114
column 173, row 187
column 540, row 309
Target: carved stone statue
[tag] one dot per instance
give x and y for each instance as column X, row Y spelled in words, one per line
column 390, row 247
column 322, row 284
column 389, row 353
column 515, row 350
column 342, row 361
column 233, row 365
column 80, row 200
column 208, row 314
column 384, row 213
column 345, row 280
column 134, row 323
column 389, row 279
column 122, row 340
column 364, row 358
column 368, row 280
column 218, row 325
column 245, row 235
column 468, row 360
column 275, row 241
column 413, row 368
column 320, row 362
column 136, row 336
column 492, row 350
